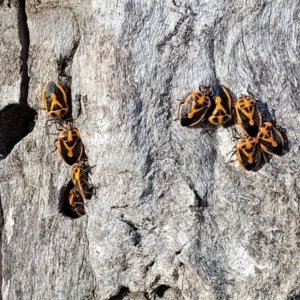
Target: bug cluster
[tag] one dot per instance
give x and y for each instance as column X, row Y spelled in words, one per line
column 71, row 150
column 260, row 137
column 214, row 104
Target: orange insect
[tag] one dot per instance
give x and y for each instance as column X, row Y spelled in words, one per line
column 194, row 107
column 270, row 139
column 223, row 105
column 248, row 153
column 70, row 201
column 248, row 115
column 54, row 98
column 69, row 145
column 76, row 202
column 80, row 179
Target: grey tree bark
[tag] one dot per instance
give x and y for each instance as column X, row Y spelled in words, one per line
column 171, row 218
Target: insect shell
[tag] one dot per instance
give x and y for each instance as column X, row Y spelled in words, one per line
column 76, row 202
column 80, row 179
column 270, row 139
column 194, row 107
column 69, row 145
column 70, row 202
column 248, row 153
column 222, row 105
column 54, row 98
column 248, row 115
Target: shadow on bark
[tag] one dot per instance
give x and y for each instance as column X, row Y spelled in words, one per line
column 16, row 121
column 121, row 295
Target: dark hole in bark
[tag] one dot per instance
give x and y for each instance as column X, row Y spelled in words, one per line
column 123, row 292
column 135, row 235
column 16, row 121
column 161, row 290
column 1, row 231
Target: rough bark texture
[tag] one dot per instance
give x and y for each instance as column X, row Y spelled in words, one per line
column 170, row 218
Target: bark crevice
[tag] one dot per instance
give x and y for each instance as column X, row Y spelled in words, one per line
column 25, row 42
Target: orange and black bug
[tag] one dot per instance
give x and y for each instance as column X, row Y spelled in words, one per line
column 194, row 107
column 248, row 115
column 69, row 145
column 270, row 139
column 54, row 98
column 222, row 106
column 248, row 153
column 76, row 202
column 80, row 179
column 70, row 201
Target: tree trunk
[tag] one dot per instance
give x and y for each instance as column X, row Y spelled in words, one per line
column 171, row 217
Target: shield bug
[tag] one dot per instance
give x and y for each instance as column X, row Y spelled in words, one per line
column 248, row 153
column 248, row 115
column 194, row 107
column 69, row 145
column 54, row 98
column 80, row 178
column 76, row 202
column 70, row 201
column 270, row 139
column 223, row 105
